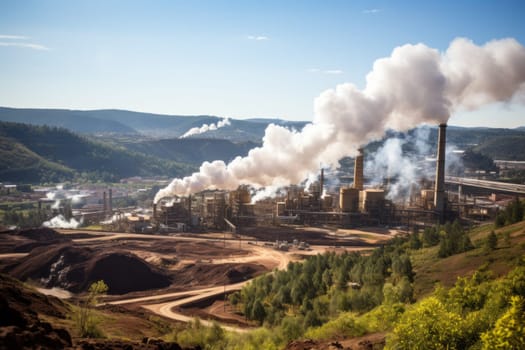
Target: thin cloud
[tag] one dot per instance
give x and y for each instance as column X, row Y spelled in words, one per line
column 13, row 37
column 371, row 11
column 258, row 37
column 333, row 71
column 25, row 45
column 326, row 71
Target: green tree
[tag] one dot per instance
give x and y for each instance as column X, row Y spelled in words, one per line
column 431, row 236
column 415, row 242
column 87, row 323
column 509, row 331
column 491, row 242
column 234, row 299
column 427, row 326
column 258, row 311
column 291, row 328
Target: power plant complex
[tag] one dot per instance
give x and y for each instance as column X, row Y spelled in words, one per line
column 338, row 200
column 348, row 206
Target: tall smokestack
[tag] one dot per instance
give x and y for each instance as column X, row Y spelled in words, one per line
column 105, row 201
column 358, row 171
column 321, row 182
column 321, row 185
column 439, row 191
column 110, row 201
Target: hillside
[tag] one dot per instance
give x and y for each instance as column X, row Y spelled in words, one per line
column 42, row 154
column 120, row 122
column 497, row 143
column 76, row 121
column 18, row 163
column 191, row 150
column 499, row 146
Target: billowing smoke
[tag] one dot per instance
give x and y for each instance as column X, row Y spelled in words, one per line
column 415, row 85
column 207, row 127
column 404, row 160
column 60, row 221
column 401, row 171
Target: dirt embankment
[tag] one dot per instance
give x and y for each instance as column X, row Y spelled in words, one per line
column 21, row 326
column 310, row 236
column 23, row 241
column 74, row 268
column 367, row 342
column 200, row 274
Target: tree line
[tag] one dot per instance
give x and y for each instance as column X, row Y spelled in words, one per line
column 326, row 284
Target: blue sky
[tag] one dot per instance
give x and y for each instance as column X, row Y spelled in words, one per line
column 235, row 59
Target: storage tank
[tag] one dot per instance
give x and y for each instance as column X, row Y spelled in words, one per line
column 371, row 200
column 328, row 202
column 280, row 208
column 349, row 200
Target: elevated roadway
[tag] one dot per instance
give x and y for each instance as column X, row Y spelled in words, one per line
column 490, row 185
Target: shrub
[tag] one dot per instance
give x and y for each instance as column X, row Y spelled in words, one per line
column 85, row 320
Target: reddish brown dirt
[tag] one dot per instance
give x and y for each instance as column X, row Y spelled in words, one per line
column 314, row 345
column 310, row 236
column 180, row 249
column 20, row 325
column 204, row 275
column 23, row 241
column 119, row 262
column 213, row 309
column 74, row 269
column 367, row 342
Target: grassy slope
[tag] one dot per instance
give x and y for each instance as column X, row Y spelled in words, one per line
column 17, row 161
column 430, row 269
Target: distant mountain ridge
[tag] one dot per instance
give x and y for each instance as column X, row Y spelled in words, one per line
column 122, row 122
column 38, row 154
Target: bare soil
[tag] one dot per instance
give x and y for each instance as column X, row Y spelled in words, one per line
column 312, row 236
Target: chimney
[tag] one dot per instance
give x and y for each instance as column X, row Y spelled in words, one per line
column 110, row 201
column 105, row 201
column 358, row 171
column 439, row 191
column 321, row 185
column 154, row 210
column 321, row 181
column 189, row 210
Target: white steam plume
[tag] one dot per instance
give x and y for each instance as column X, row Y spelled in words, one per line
column 415, row 85
column 207, row 127
column 60, row 221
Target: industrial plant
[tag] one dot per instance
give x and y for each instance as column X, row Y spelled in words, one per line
column 354, row 201
column 431, row 201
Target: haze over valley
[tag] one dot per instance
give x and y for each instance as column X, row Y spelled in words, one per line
column 262, row 175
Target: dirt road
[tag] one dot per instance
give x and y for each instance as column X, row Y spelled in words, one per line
column 268, row 257
column 168, row 302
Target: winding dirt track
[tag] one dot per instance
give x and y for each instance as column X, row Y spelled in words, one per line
column 268, row 257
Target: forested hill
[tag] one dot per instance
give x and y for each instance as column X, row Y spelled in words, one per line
column 49, row 154
column 121, row 122
column 189, row 150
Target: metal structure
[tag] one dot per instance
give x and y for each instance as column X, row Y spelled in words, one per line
column 439, row 189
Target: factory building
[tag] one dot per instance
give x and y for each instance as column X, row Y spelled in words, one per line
column 354, row 205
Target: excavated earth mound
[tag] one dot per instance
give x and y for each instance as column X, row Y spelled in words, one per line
column 20, row 325
column 22, row 328
column 215, row 274
column 23, row 241
column 74, row 269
